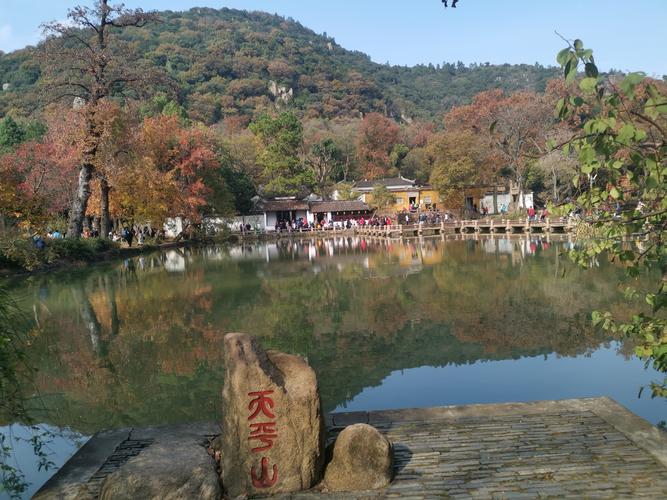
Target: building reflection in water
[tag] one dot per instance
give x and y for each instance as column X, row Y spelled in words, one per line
column 139, row 342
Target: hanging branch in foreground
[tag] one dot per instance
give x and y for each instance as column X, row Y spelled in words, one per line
column 622, row 189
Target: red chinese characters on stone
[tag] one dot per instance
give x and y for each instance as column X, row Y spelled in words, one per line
column 263, row 481
column 261, row 404
column 264, row 434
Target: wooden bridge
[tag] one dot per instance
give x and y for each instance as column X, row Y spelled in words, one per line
column 467, row 226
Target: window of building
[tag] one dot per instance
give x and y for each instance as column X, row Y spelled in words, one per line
column 427, row 199
column 399, row 201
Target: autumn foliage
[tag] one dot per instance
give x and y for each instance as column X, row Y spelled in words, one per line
column 165, row 175
column 37, row 177
column 156, row 167
column 157, row 163
column 377, row 136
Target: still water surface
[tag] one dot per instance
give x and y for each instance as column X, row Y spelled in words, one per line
column 385, row 325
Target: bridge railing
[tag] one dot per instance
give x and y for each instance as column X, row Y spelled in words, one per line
column 558, row 222
column 504, row 222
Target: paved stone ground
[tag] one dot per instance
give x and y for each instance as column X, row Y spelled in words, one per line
column 585, row 448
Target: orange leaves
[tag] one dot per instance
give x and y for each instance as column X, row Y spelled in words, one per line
column 511, row 129
column 478, row 115
column 155, row 167
column 165, row 177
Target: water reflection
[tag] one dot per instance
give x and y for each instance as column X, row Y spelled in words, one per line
column 505, row 380
column 139, row 342
column 59, row 444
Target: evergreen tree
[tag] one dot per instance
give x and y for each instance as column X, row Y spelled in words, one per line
column 280, row 140
column 11, row 134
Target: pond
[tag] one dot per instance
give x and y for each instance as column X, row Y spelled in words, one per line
column 451, row 320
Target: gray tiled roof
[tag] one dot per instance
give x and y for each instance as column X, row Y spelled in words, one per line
column 338, row 206
column 389, row 182
column 280, row 205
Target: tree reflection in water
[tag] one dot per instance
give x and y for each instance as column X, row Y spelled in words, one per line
column 139, row 342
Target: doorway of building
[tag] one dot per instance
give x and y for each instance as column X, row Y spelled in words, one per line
column 284, row 215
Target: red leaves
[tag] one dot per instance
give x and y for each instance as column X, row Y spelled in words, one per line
column 377, row 137
column 38, row 178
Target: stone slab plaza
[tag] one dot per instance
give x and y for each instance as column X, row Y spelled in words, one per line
column 577, row 448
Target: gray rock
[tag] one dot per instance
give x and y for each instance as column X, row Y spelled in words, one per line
column 78, row 103
column 175, row 466
column 281, row 92
column 362, row 459
column 273, row 430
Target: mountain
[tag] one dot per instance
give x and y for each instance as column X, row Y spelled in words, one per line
column 229, row 62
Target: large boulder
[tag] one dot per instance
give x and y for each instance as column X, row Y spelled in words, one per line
column 362, row 459
column 175, row 466
column 273, row 430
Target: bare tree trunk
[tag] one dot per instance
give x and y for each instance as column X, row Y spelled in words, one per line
column 88, row 316
column 110, row 288
column 86, row 68
column 80, row 202
column 104, row 208
column 556, row 197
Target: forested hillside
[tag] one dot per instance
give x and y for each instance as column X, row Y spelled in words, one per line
column 223, row 63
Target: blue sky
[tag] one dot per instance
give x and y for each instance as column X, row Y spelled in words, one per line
column 626, row 35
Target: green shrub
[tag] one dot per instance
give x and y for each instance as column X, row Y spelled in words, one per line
column 19, row 251
column 80, row 249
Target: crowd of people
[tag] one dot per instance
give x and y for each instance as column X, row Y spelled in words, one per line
column 302, row 224
column 430, row 217
column 137, row 234
column 534, row 216
column 126, row 234
column 531, row 212
column 407, row 217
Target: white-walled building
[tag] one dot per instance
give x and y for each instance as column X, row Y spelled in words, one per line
column 270, row 212
column 506, row 202
column 278, row 210
column 312, row 212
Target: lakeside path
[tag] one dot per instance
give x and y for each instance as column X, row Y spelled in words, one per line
column 577, row 448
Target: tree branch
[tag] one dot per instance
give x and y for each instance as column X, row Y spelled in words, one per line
column 648, row 120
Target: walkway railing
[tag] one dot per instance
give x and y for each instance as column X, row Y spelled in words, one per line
column 469, row 226
column 426, row 228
